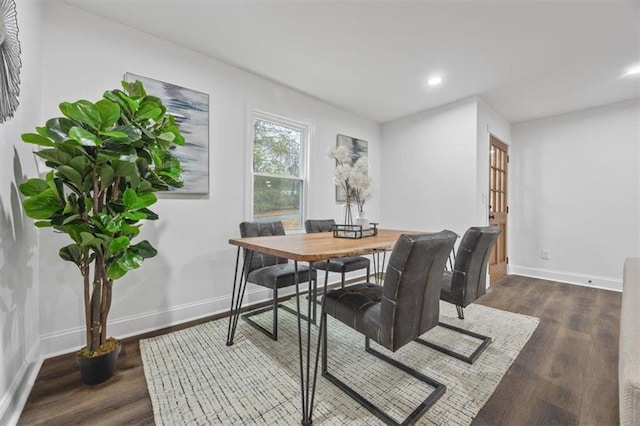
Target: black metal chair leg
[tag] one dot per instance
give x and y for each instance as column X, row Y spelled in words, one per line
column 439, row 388
column 273, row 333
column 468, row 359
column 460, row 311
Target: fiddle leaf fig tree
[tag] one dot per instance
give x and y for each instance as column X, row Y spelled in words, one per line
column 107, row 159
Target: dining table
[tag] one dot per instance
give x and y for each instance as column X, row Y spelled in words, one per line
column 310, row 248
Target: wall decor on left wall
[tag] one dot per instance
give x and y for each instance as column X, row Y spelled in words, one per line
column 10, row 62
column 190, row 110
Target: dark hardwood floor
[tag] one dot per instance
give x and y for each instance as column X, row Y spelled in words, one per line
column 567, row 374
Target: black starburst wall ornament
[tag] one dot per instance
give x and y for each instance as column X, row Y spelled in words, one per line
column 9, row 60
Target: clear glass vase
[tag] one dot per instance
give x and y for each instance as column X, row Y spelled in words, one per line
column 362, row 220
column 348, row 216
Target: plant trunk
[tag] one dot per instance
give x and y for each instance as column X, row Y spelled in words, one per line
column 107, row 286
column 87, row 303
column 96, row 303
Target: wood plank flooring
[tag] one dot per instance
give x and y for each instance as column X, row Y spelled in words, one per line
column 567, row 374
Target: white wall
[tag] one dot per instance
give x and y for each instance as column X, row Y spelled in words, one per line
column 575, row 191
column 429, row 176
column 192, row 274
column 19, row 359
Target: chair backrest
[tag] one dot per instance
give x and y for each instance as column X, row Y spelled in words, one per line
column 411, row 291
column 469, row 277
column 319, row 225
column 261, row 229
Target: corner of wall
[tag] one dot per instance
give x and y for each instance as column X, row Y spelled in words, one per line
column 13, row 401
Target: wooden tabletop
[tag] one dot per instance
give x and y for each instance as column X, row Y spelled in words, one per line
column 319, row 246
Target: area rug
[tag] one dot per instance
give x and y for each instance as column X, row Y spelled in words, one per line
column 194, row 378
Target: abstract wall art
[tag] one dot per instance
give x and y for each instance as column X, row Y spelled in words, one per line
column 190, row 109
column 357, row 148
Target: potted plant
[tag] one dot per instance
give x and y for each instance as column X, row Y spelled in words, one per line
column 107, row 160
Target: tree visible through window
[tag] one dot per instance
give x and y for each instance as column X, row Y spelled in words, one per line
column 278, row 170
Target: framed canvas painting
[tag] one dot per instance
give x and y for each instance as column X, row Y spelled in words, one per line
column 190, row 109
column 357, row 148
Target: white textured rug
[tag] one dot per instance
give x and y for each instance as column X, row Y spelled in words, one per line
column 195, row 379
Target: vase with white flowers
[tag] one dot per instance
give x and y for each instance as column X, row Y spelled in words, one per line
column 354, row 181
column 362, row 191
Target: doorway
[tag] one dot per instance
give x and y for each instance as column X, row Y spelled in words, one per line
column 498, row 206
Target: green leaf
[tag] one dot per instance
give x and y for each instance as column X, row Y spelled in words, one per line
column 179, row 139
column 148, row 110
column 80, row 164
column 135, row 216
column 134, row 89
column 109, row 112
column 84, row 137
column 54, row 155
column 71, row 253
column 33, row 186
column 129, row 197
column 119, row 244
column 58, row 128
column 127, row 133
column 75, row 231
column 82, row 111
column 106, row 175
column 167, row 136
column 114, row 271
column 114, row 223
column 42, row 224
column 135, row 201
column 71, row 174
column 144, row 249
column 126, row 103
column 43, row 205
column 71, row 218
column 129, row 260
column 113, row 134
column 90, row 240
column 130, row 230
column 37, row 139
column 125, row 169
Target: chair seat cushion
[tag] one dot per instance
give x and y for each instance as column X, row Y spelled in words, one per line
column 278, row 276
column 358, row 306
column 343, row 264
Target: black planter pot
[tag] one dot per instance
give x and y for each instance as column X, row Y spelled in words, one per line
column 99, row 369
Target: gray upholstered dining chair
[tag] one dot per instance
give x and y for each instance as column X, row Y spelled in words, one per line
column 396, row 313
column 272, row 272
column 467, row 282
column 343, row 264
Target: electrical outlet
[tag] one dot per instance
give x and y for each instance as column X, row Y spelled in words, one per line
column 545, row 254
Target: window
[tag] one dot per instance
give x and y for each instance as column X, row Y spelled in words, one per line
column 278, row 169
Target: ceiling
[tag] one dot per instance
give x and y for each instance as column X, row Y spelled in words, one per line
column 527, row 59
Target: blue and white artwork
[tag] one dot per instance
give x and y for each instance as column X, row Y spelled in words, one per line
column 191, row 111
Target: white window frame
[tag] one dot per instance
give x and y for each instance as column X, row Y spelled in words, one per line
column 306, row 129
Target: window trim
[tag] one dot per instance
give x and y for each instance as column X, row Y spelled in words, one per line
column 306, row 127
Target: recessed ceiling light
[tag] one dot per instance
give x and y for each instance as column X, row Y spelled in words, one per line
column 633, row 71
column 434, row 81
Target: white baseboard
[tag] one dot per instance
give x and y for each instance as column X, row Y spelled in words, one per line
column 65, row 341
column 605, row 283
column 12, row 403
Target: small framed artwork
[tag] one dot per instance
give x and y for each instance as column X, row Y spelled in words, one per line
column 357, row 148
column 190, row 109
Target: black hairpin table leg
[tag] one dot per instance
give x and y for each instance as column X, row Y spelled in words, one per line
column 237, row 296
column 308, row 376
